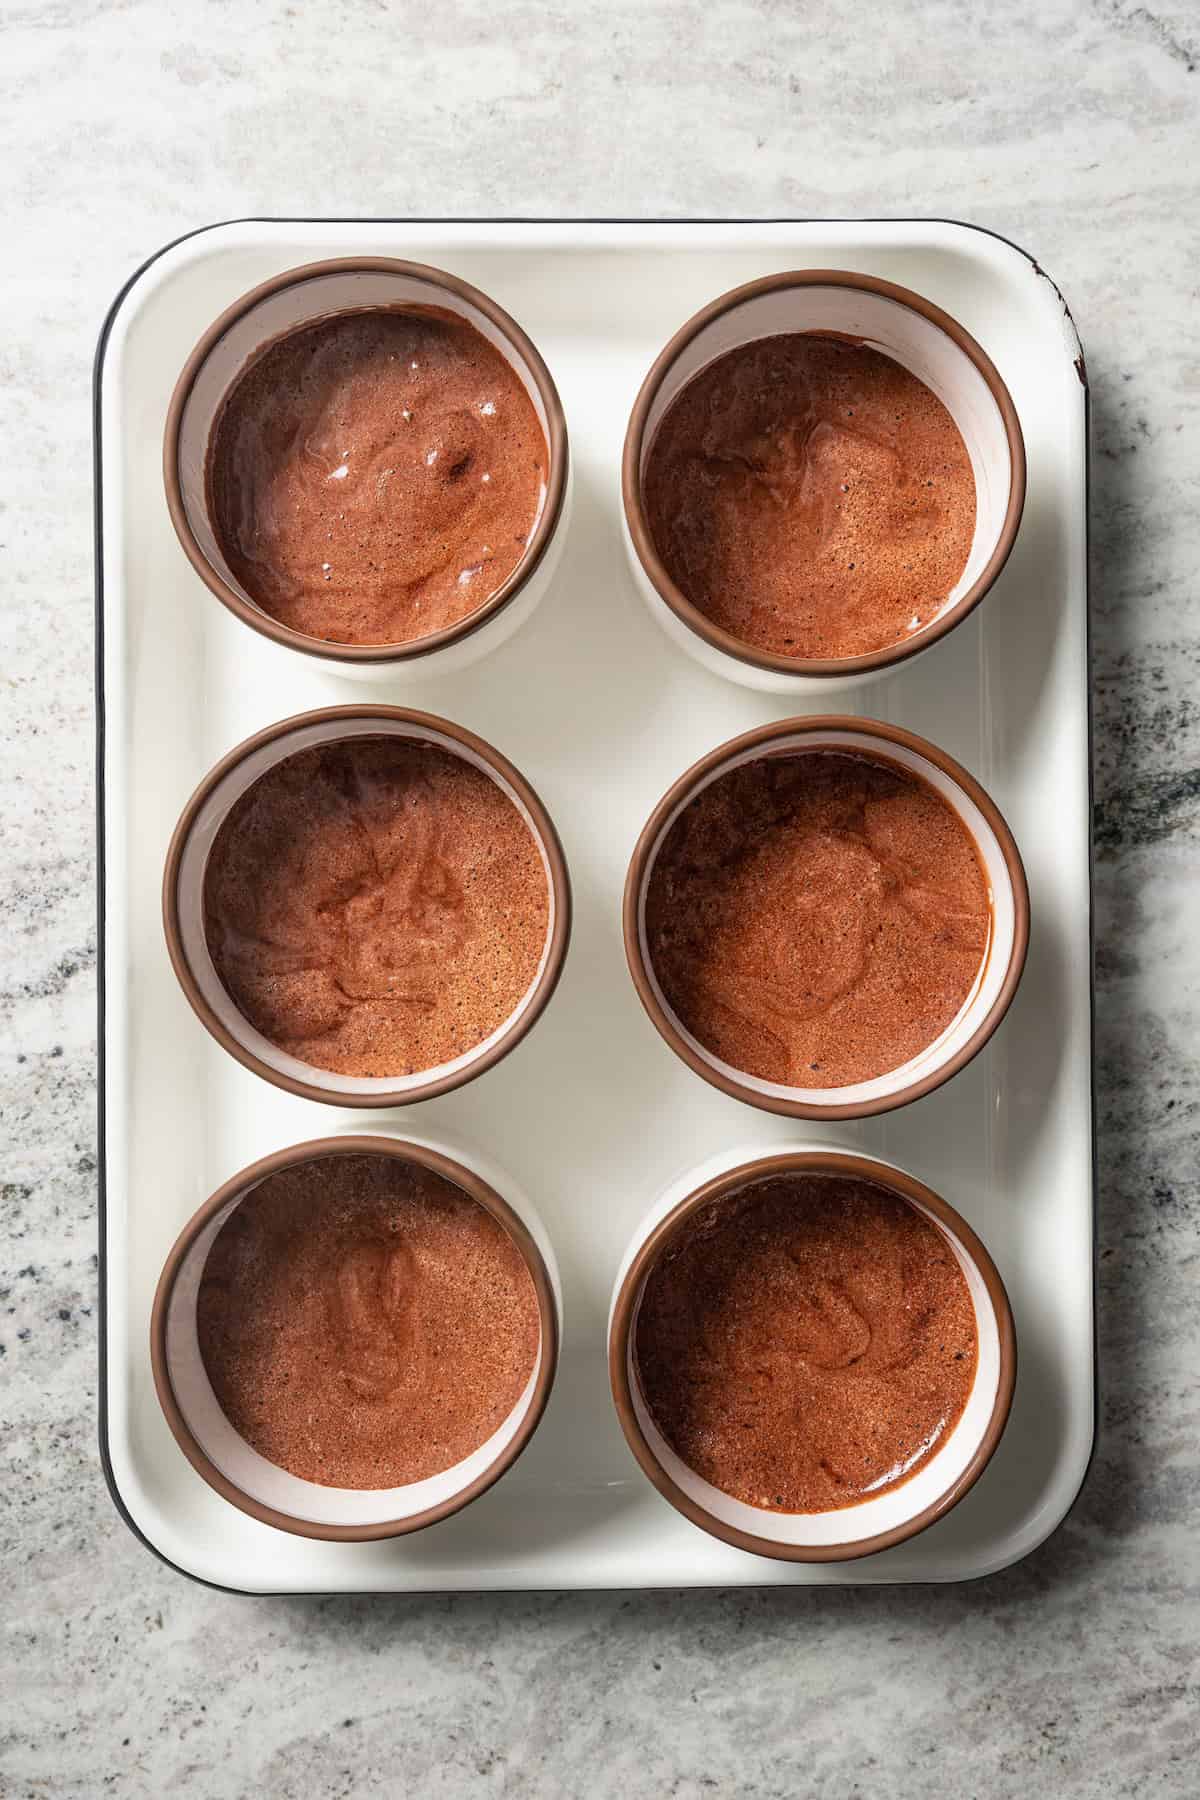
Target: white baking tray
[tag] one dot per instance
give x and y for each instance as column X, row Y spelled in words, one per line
column 592, row 1114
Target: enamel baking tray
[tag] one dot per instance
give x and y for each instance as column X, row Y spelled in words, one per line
column 592, row 1114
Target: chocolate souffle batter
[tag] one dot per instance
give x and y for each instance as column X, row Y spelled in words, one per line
column 806, row 1344
column 365, row 1323
column 375, row 476
column 811, row 497
column 375, row 906
column 817, row 919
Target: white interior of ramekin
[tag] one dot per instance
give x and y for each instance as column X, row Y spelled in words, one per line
column 300, row 303
column 264, row 1481
column 190, row 903
column 912, row 340
column 885, row 1512
column 993, row 969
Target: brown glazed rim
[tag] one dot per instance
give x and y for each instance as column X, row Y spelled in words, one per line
column 768, row 736
column 764, row 1168
column 402, row 1151
column 652, row 562
column 543, row 825
column 543, row 531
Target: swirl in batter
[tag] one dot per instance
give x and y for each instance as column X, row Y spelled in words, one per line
column 375, row 906
column 811, row 497
column 375, row 476
column 817, row 919
column 365, row 1323
column 807, row 1344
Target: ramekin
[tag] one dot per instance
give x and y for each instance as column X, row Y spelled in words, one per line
column 871, row 1525
column 297, row 298
column 270, row 1494
column 913, row 332
column 1003, row 962
column 183, row 898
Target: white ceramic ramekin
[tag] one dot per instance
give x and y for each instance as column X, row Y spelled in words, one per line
column 871, row 1525
column 183, row 903
column 282, row 305
column 999, row 973
column 915, row 333
column 244, row 1477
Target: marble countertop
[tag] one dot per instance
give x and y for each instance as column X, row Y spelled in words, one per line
column 1071, row 128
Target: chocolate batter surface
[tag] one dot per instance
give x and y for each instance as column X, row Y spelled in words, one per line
column 807, row 1343
column 365, row 1323
column 375, row 906
column 811, row 497
column 375, row 476
column 817, row 919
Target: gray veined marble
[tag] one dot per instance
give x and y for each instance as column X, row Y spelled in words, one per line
column 1072, row 127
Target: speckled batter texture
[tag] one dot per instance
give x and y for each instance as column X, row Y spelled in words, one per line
column 807, row 1343
column 364, row 1322
column 375, row 476
column 1072, row 1673
column 817, row 919
column 375, row 906
column 811, row 497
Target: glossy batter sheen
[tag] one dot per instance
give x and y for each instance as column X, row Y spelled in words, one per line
column 364, row 1323
column 375, row 476
column 807, row 1344
column 811, row 497
column 817, row 919
column 375, row 906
